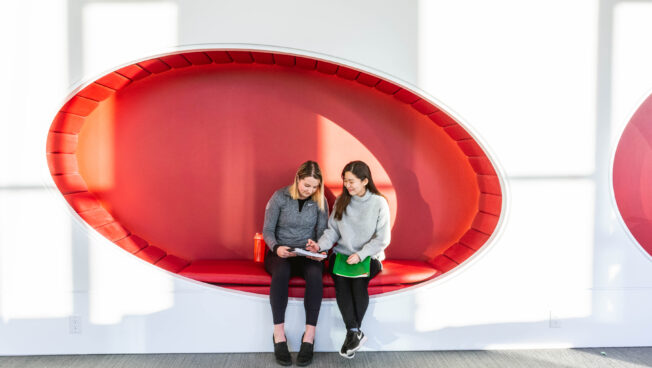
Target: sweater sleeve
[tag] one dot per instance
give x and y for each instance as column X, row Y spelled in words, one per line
column 381, row 238
column 272, row 212
column 322, row 221
column 330, row 235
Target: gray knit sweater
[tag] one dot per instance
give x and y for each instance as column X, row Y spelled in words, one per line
column 285, row 225
column 364, row 228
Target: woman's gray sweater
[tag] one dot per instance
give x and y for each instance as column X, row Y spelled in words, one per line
column 364, row 228
column 285, row 225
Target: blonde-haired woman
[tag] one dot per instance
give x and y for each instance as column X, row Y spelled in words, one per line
column 294, row 215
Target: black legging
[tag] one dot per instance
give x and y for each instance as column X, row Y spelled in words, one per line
column 352, row 294
column 281, row 270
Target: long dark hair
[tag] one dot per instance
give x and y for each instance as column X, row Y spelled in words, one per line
column 309, row 169
column 362, row 172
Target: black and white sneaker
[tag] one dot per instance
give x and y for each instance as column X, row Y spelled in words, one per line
column 344, row 351
column 356, row 342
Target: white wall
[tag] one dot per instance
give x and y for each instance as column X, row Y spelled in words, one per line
column 547, row 85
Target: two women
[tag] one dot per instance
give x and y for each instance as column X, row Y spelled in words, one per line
column 360, row 227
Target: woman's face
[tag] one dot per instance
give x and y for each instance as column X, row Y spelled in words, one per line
column 354, row 185
column 307, row 187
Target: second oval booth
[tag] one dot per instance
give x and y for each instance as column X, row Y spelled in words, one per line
column 174, row 158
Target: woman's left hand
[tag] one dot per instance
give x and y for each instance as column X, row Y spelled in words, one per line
column 353, row 259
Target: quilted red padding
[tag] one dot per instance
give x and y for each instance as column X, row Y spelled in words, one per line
column 82, row 201
column 406, row 96
column 132, row 243
column 443, row 120
column 198, row 58
column 482, row 165
column 387, row 87
column 485, row 223
column 62, row 163
column 403, row 272
column 284, row 60
column 424, row 107
column 220, row 57
column 263, row 57
column 325, row 67
column 96, row 92
column 456, row 132
column 97, row 217
column 368, row 80
column 305, row 63
column 172, row 263
column 241, row 56
column 490, row 203
column 347, row 73
column 474, row 239
column 225, row 271
column 154, row 66
column 151, row 254
column 61, row 143
column 489, row 184
column 67, row 123
column 113, row 231
column 114, row 81
column 70, row 183
column 459, row 252
column 80, row 106
column 470, row 147
column 443, row 263
column 176, row 61
column 133, row 72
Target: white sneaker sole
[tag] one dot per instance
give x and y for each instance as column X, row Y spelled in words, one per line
column 347, row 356
column 352, row 351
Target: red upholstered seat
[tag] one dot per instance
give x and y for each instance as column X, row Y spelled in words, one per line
column 228, row 271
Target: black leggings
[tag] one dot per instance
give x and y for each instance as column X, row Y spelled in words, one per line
column 352, row 294
column 281, row 270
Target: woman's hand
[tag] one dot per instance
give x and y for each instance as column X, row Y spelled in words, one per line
column 317, row 258
column 353, row 259
column 312, row 246
column 284, row 252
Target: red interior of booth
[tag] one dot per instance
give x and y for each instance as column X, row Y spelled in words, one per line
column 174, row 158
column 632, row 175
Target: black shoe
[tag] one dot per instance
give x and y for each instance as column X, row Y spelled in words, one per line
column 304, row 357
column 344, row 351
column 282, row 353
column 356, row 342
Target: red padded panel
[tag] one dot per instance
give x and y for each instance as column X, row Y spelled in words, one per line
column 70, row 183
column 489, row 184
column 176, row 61
column 79, row 106
column 387, row 87
column 406, row 96
column 172, row 263
column 96, row 92
column 132, row 243
column 403, row 272
column 482, row 165
column 424, row 107
column 326, row 68
column 154, row 66
column 459, row 252
column 305, row 63
column 368, row 80
column 456, row 132
column 228, row 271
column 490, row 203
column 443, row 263
column 114, row 81
column 61, row 143
column 113, row 231
column 284, row 60
column 443, row 120
column 151, row 254
column 198, row 58
column 97, row 217
column 62, row 163
column 133, row 72
column 474, row 239
column 67, row 123
column 485, row 222
column 241, row 56
column 470, row 147
column 347, row 73
column 83, row 201
column 220, row 57
column 263, row 57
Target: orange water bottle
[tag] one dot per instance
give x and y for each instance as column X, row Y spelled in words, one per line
column 259, row 248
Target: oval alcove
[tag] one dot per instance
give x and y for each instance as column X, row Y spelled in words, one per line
column 174, row 158
column 632, row 176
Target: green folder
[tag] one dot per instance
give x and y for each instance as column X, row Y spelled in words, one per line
column 341, row 268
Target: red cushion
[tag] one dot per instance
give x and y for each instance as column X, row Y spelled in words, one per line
column 482, row 165
column 198, row 58
column 241, row 56
column 82, row 201
column 80, row 106
column 347, row 73
column 70, row 183
column 306, row 63
column 151, row 254
column 387, row 87
column 470, row 147
column 154, row 66
column 176, row 61
column 474, row 239
column 443, row 263
column 97, row 217
column 490, row 203
column 114, row 80
column 220, row 57
column 459, row 252
column 442, row 119
column 424, row 107
column 485, row 222
column 62, row 163
column 96, row 91
column 406, row 96
column 132, row 243
column 455, row 131
column 489, row 184
column 325, row 67
column 113, row 231
column 403, row 272
column 61, row 143
column 172, row 263
column 367, row 79
column 284, row 60
column 133, row 72
column 263, row 57
column 227, row 271
column 67, row 123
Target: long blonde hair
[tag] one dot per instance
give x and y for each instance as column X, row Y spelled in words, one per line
column 309, row 169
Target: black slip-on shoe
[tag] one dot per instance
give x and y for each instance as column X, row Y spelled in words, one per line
column 344, row 351
column 356, row 342
column 282, row 353
column 304, row 357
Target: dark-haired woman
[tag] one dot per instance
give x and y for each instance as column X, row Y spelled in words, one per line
column 293, row 216
column 360, row 226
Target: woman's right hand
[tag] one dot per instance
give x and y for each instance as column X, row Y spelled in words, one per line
column 284, row 252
